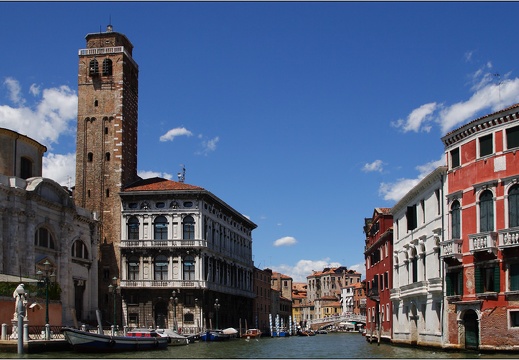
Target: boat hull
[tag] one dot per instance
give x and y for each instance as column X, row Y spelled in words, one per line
column 214, row 336
column 91, row 342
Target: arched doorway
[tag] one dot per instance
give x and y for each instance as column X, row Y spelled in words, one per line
column 470, row 320
column 161, row 315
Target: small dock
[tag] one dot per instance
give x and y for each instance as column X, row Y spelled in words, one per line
column 35, row 346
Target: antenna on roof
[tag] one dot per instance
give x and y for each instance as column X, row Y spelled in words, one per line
column 182, row 176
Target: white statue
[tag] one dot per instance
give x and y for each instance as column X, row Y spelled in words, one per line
column 19, row 294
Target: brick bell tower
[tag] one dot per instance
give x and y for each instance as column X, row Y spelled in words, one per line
column 106, row 144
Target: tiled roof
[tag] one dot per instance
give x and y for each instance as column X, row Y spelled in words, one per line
column 159, row 184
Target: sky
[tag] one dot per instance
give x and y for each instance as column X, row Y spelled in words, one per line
column 302, row 116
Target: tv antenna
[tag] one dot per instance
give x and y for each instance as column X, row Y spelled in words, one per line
column 182, row 175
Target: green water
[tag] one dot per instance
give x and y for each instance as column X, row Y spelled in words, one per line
column 323, row 346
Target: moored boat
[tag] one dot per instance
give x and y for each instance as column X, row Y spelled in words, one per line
column 93, row 342
column 173, row 337
column 214, row 335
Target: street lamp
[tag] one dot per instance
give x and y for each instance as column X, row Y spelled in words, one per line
column 114, row 289
column 216, row 308
column 46, row 278
column 174, row 301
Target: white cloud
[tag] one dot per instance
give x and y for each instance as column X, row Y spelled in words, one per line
column 396, row 190
column 285, row 241
column 173, row 133
column 147, row 174
column 60, row 168
column 418, row 120
column 360, row 268
column 490, row 92
column 374, row 166
column 208, row 145
column 52, row 116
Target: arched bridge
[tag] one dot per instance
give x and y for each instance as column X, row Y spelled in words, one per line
column 336, row 320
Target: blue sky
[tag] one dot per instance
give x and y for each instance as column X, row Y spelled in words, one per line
column 303, row 116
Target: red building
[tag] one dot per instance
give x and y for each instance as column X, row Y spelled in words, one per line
column 480, row 250
column 379, row 261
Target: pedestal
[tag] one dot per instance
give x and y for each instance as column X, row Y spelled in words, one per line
column 14, row 334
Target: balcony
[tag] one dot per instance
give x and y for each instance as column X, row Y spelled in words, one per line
column 508, row 238
column 373, row 294
column 419, row 288
column 162, row 244
column 483, row 242
column 452, row 249
column 177, row 284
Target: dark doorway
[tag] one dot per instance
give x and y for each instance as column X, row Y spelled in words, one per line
column 471, row 330
column 161, row 314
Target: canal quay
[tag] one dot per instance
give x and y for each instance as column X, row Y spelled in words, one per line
column 322, row 346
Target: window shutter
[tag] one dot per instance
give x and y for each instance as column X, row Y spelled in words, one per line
column 514, row 277
column 496, row 278
column 478, row 280
column 513, row 206
column 448, row 281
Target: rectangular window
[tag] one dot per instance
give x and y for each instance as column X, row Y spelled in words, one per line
column 411, row 217
column 386, row 279
column 512, row 137
column 485, row 145
column 487, row 279
column 454, row 283
column 513, row 273
column 514, row 318
column 455, row 158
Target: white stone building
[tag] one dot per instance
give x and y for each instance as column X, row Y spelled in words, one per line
column 417, row 295
column 39, row 222
column 180, row 238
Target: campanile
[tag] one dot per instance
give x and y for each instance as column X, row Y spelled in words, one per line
column 106, row 144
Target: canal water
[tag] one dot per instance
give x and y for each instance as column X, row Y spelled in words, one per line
column 322, row 346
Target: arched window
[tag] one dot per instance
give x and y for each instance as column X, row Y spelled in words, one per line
column 189, row 268
column 133, row 228
column 93, row 69
column 513, row 206
column 455, row 220
column 107, row 67
column 90, row 157
column 188, row 226
column 160, row 227
column 107, row 156
column 133, row 268
column 486, row 211
column 161, row 267
column 414, row 260
column 43, row 238
column 79, row 250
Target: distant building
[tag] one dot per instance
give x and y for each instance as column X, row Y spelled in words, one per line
column 299, row 301
column 359, row 298
column 379, row 263
column 262, row 301
column 480, row 249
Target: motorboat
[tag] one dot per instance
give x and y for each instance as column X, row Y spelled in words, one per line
column 252, row 333
column 86, row 341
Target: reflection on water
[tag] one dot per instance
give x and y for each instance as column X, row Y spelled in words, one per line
column 323, row 346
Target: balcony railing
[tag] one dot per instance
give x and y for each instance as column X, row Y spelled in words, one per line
column 149, row 244
column 508, row 238
column 486, row 241
column 415, row 289
column 452, row 249
column 177, row 284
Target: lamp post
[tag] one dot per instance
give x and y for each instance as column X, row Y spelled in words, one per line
column 46, row 277
column 114, row 289
column 174, row 301
column 216, row 308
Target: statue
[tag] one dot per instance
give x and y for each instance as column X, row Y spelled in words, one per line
column 22, row 297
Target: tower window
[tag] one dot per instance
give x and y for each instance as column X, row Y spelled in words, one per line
column 107, row 67
column 93, row 69
column 26, row 168
column 107, row 156
column 107, row 192
column 96, row 103
column 88, row 193
column 106, row 130
column 90, row 157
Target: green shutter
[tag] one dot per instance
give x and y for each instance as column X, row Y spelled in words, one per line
column 496, row 278
column 448, row 281
column 478, row 280
column 514, row 277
